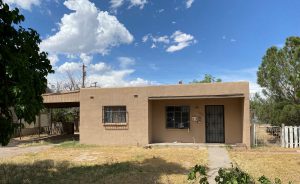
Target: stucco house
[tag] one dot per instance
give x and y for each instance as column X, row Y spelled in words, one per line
column 186, row 113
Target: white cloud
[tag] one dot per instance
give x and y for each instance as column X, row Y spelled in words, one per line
column 138, row 3
column 86, row 59
column 117, row 79
column 86, row 30
column 145, row 38
column 125, row 62
column 254, row 88
column 189, row 3
column 232, row 40
column 99, row 67
column 104, row 74
column 173, row 22
column 71, row 56
column 156, row 39
column 179, row 46
column 161, row 10
column 53, row 59
column 180, row 41
column 177, row 41
column 24, row 4
column 161, row 39
column 140, row 82
column 179, row 36
column 116, row 3
column 109, row 77
column 69, row 67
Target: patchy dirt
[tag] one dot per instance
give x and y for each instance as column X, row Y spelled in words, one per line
column 14, row 151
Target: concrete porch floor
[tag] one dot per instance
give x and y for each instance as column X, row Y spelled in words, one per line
column 193, row 145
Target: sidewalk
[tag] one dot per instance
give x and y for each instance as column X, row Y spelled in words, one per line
column 217, row 158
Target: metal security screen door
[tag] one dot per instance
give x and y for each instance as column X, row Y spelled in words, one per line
column 214, row 123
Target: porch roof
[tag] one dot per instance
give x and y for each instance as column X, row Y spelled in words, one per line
column 238, row 95
column 61, row 100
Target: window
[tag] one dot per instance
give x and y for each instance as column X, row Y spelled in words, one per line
column 114, row 114
column 178, row 116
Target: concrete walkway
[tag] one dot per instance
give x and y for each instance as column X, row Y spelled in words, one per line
column 217, row 158
column 6, row 152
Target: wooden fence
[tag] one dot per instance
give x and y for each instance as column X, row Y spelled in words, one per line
column 290, row 136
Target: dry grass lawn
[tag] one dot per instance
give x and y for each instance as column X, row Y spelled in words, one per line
column 75, row 163
column 272, row 162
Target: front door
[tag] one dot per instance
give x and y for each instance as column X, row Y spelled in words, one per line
column 214, row 123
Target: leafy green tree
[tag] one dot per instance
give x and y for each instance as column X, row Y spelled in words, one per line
column 279, row 75
column 65, row 115
column 208, row 79
column 23, row 71
column 279, row 72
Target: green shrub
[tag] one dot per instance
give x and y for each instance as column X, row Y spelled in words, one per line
column 233, row 175
column 201, row 170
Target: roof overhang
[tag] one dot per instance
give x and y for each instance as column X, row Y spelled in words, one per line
column 66, row 99
column 196, row 97
column 62, row 105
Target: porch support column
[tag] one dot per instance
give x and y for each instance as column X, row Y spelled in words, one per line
column 246, row 121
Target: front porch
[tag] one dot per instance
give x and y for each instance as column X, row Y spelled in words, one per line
column 196, row 121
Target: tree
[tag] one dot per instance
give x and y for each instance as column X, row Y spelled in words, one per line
column 207, row 79
column 23, row 71
column 279, row 76
column 71, row 84
column 279, row 73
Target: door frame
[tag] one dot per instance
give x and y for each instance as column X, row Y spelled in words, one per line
column 206, row 133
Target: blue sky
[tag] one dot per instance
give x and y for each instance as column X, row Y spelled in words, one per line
column 144, row 42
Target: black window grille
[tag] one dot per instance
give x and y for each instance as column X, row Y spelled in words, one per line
column 114, row 114
column 178, row 117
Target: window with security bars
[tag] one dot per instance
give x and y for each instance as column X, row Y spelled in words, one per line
column 178, row 117
column 114, row 114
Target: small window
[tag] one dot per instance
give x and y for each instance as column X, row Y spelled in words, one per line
column 114, row 114
column 178, row 117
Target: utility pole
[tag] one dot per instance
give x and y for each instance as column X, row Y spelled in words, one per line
column 83, row 75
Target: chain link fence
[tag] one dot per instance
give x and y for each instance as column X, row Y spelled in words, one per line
column 265, row 135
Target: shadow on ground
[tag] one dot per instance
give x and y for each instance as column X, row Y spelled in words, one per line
column 51, row 139
column 49, row 171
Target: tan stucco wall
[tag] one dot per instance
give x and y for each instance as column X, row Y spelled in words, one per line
column 142, row 112
column 233, row 119
column 91, row 127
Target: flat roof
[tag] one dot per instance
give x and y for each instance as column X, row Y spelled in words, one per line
column 168, row 85
column 156, row 92
column 196, row 97
column 61, row 93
